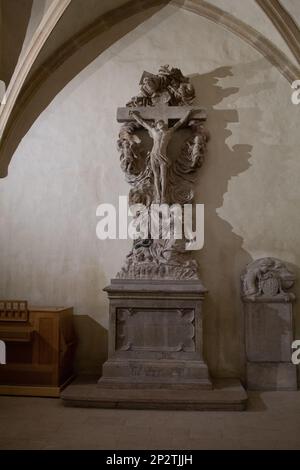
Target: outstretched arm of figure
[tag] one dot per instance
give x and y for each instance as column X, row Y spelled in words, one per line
column 182, row 121
column 140, row 120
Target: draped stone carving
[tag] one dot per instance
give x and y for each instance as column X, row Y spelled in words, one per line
column 162, row 107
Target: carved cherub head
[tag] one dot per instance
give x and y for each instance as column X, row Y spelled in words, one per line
column 149, row 85
column 267, row 276
column 197, row 127
column 266, row 265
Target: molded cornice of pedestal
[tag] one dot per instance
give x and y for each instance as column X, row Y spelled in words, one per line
column 281, row 298
column 132, row 286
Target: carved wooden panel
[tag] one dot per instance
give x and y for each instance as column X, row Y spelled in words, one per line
column 13, row 310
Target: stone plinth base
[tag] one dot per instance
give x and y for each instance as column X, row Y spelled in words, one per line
column 271, row 376
column 226, row 395
column 169, row 374
column 269, row 336
column 155, row 335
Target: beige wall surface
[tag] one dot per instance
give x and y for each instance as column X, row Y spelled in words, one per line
column 251, row 13
column 68, row 164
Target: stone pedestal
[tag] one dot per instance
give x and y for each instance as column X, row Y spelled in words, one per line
column 155, row 335
column 269, row 336
column 155, row 356
column 268, row 325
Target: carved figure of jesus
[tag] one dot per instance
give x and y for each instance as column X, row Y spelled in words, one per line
column 161, row 135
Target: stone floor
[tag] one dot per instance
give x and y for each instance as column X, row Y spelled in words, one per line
column 272, row 421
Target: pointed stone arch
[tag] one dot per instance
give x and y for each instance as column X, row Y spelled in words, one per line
column 41, row 83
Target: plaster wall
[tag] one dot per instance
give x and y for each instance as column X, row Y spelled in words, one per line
column 68, row 164
column 251, row 13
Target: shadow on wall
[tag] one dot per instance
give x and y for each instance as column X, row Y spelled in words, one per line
column 222, row 259
column 92, row 345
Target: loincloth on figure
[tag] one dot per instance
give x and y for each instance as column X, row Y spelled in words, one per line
column 159, row 159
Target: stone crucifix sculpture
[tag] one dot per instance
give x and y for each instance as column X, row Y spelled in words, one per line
column 161, row 134
column 161, row 175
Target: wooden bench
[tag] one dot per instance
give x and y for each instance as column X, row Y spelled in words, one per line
column 40, row 347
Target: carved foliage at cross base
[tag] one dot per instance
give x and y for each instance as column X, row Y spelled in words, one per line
column 159, row 259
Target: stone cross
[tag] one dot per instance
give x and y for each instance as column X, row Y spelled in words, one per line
column 161, row 111
column 161, row 134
